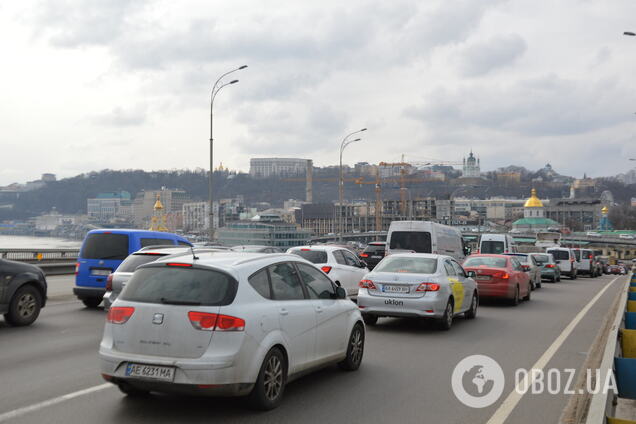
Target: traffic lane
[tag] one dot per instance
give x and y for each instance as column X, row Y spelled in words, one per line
column 405, row 373
column 54, row 356
column 60, row 285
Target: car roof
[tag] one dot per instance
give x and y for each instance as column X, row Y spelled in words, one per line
column 324, row 247
column 494, row 255
column 418, row 255
column 228, row 260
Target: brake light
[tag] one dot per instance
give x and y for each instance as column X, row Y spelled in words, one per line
column 213, row 322
column 76, row 268
column 549, row 266
column 109, row 282
column 364, row 255
column 426, row 287
column 178, row 264
column 326, row 269
column 119, row 314
column 589, row 257
column 502, row 275
column 305, row 250
column 153, row 253
column 367, row 284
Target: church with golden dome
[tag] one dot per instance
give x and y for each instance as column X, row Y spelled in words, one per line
column 534, row 219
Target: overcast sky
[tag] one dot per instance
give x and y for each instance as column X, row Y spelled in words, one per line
column 92, row 84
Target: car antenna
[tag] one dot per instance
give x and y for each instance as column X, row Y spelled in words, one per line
column 194, row 257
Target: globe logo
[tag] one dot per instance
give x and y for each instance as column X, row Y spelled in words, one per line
column 477, row 381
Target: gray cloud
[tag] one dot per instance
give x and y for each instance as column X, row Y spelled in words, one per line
column 120, row 117
column 482, row 57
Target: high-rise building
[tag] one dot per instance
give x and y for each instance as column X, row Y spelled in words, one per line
column 271, row 167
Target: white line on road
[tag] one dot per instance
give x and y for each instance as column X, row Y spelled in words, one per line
column 509, row 404
column 21, row 411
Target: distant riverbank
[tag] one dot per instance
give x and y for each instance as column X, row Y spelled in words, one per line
column 29, row 242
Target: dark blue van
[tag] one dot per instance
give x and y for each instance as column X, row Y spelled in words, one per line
column 102, row 252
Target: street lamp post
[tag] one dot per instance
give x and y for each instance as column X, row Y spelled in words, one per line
column 215, row 90
column 345, row 142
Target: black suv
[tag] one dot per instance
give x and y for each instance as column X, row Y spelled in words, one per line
column 373, row 253
column 22, row 292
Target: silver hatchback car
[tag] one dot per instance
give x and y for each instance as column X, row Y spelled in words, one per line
column 418, row 285
column 228, row 323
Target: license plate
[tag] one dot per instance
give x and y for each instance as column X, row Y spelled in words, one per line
column 376, row 257
column 153, row 372
column 395, row 289
column 482, row 277
column 100, row 271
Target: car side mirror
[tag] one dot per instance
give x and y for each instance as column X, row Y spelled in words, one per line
column 471, row 274
column 341, row 293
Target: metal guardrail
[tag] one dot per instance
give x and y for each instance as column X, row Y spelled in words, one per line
column 37, row 256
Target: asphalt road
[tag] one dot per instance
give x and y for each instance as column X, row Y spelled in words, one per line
column 405, row 375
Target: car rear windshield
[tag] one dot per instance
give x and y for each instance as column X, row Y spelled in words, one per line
column 133, row 261
column 541, row 259
column 485, row 261
column 180, row 286
column 373, row 249
column 313, row 256
column 105, row 246
column 494, row 247
column 577, row 255
column 559, row 255
column 418, row 241
column 410, row 265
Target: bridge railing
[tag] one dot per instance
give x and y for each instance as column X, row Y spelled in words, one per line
column 40, row 255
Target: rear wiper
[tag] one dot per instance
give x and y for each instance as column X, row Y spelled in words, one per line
column 178, row 302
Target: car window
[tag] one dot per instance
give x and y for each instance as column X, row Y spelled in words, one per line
column 313, row 256
column 374, row 249
column 285, row 282
column 577, row 255
column 184, row 243
column 155, row 242
column 476, row 261
column 458, row 269
column 560, row 254
column 450, row 271
column 516, row 265
column 105, row 246
column 337, row 254
column 417, row 241
column 350, row 258
column 490, row 246
column 260, row 282
column 132, row 262
column 411, row 265
column 541, row 259
column 318, row 285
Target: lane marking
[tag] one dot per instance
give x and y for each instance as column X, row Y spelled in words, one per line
column 37, row 406
column 509, row 404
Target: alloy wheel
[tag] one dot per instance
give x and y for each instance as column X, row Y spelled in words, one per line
column 273, row 381
column 26, row 305
column 357, row 345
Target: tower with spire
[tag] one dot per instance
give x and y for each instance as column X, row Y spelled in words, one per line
column 158, row 220
column 471, row 166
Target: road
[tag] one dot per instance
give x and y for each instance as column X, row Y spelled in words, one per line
column 405, row 375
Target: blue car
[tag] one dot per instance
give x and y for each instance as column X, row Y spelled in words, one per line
column 103, row 250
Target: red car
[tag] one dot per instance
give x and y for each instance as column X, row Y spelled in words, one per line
column 499, row 276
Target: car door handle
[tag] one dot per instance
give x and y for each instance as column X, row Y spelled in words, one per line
column 319, row 309
column 284, row 311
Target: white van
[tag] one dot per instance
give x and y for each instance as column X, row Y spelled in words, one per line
column 425, row 237
column 566, row 259
column 497, row 244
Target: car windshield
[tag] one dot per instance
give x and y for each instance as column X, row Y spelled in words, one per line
column 410, row 265
column 490, row 246
column 374, row 249
column 134, row 261
column 417, row 241
column 485, row 261
column 105, row 246
column 180, row 285
column 313, row 256
column 542, row 259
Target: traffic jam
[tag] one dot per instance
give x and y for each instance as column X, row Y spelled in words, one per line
column 246, row 320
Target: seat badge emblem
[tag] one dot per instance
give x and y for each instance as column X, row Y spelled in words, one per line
column 157, row 319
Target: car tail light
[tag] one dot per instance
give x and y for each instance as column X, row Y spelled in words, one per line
column 214, row 322
column 326, row 269
column 119, row 314
column 426, row 287
column 364, row 255
column 367, row 284
column 178, row 264
column 502, row 275
column 305, row 250
column 76, row 268
column 589, row 257
column 109, row 282
column 549, row 266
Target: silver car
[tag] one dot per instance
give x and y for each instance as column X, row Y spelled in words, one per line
column 531, row 266
column 418, row 285
column 228, row 324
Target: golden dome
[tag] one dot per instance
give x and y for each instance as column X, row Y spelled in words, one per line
column 605, row 210
column 533, row 201
column 158, row 204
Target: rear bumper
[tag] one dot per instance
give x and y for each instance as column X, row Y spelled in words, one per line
column 421, row 307
column 88, row 292
column 238, row 389
column 496, row 290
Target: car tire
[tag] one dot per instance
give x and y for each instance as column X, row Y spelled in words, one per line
column 24, row 307
column 132, row 391
column 92, row 302
column 446, row 321
column 538, row 285
column 270, row 385
column 515, row 300
column 558, row 279
column 472, row 312
column 355, row 349
column 370, row 319
column 527, row 297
